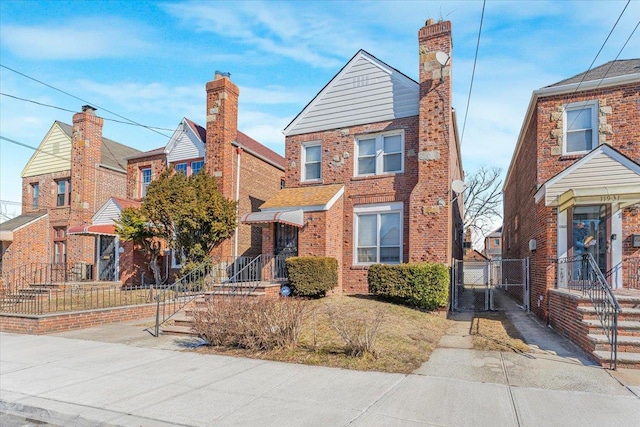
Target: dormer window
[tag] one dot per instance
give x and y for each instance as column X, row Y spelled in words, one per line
column 580, row 127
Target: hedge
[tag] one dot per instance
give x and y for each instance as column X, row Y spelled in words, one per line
column 312, row 276
column 425, row 285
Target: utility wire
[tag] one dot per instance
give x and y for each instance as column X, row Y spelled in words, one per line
column 584, row 76
column 475, row 60
column 80, row 99
column 73, row 111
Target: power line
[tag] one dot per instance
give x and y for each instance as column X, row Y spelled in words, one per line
column 473, row 72
column 584, row 76
column 80, row 99
column 72, row 111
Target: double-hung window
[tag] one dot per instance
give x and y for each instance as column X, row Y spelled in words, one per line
column 311, row 161
column 35, row 195
column 378, row 234
column 181, row 168
column 63, row 197
column 145, row 180
column 59, row 245
column 379, row 154
column 196, row 166
column 580, row 127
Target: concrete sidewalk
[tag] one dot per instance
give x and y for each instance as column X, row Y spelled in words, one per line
column 119, row 375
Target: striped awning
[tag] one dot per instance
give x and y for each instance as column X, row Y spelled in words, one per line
column 293, row 217
column 108, row 229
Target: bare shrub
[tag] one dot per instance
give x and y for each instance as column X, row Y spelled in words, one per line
column 358, row 330
column 252, row 323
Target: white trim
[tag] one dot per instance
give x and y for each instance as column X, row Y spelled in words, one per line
column 582, row 105
column 616, row 248
column 379, row 155
column 173, row 259
column 303, row 160
column 378, row 208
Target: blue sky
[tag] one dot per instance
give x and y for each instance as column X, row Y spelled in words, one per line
column 150, row 61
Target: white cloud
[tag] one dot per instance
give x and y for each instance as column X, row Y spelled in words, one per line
column 83, row 38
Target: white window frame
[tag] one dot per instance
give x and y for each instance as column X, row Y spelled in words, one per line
column 379, row 161
column 174, row 264
column 145, row 185
column 379, row 209
column 303, row 172
column 593, row 105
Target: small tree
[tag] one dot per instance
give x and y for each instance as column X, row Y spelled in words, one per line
column 133, row 226
column 482, row 200
column 190, row 214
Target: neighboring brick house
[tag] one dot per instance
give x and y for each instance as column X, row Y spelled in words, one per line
column 576, row 165
column 370, row 162
column 493, row 245
column 246, row 171
column 68, row 178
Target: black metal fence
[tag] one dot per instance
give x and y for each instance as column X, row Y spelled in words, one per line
column 44, row 274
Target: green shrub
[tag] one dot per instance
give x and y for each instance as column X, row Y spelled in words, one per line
column 312, row 276
column 425, row 285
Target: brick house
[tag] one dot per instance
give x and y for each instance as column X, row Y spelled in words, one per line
column 246, row 171
column 74, row 171
column 493, row 244
column 576, row 166
column 369, row 166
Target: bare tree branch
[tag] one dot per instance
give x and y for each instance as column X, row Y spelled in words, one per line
column 482, row 200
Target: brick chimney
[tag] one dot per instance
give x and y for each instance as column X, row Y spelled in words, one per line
column 86, row 155
column 430, row 202
column 222, row 130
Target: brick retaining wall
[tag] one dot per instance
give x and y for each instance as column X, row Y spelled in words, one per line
column 59, row 322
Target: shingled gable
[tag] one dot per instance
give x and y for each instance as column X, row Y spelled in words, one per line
column 365, row 90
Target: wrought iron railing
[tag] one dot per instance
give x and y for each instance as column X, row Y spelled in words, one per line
column 234, row 276
column 583, row 274
column 39, row 300
column 37, row 275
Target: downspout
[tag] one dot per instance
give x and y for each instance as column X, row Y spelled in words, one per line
column 235, row 243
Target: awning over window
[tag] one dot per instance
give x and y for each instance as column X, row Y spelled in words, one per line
column 293, row 217
column 108, row 229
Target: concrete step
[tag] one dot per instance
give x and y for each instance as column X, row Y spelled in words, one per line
column 625, row 343
column 627, row 301
column 626, row 314
column 625, row 327
column 177, row 330
column 626, row 360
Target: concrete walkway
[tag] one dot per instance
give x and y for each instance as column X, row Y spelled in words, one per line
column 119, row 375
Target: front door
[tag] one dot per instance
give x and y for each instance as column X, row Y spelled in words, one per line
column 286, row 245
column 107, row 258
column 589, row 232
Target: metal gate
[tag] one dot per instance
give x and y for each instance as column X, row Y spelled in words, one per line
column 473, row 283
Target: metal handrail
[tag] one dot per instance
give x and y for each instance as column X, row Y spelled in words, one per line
column 212, row 277
column 595, row 285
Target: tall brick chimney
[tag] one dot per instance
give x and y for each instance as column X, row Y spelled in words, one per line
column 222, row 130
column 430, row 203
column 86, row 155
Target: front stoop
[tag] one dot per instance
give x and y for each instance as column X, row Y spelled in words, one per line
column 183, row 322
column 628, row 333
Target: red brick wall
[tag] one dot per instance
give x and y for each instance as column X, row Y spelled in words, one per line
column 46, row 324
column 31, row 244
column 258, row 182
column 157, row 163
